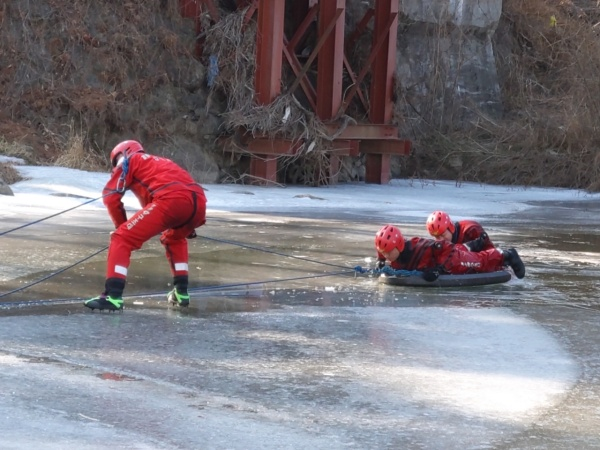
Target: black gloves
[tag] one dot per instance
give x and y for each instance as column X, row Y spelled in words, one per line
column 478, row 244
column 380, row 264
column 431, row 275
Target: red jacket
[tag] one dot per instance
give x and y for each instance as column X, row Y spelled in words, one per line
column 422, row 254
column 469, row 230
column 150, row 178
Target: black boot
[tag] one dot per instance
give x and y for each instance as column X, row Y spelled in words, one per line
column 512, row 259
column 111, row 298
column 179, row 295
column 478, row 244
column 114, row 287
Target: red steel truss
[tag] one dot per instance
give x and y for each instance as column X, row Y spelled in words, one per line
column 377, row 138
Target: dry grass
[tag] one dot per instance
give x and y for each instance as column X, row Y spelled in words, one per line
column 17, row 150
column 107, row 66
column 76, row 155
column 549, row 134
column 9, row 174
column 118, row 82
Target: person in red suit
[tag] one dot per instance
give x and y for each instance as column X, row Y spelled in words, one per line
column 440, row 226
column 437, row 257
column 173, row 205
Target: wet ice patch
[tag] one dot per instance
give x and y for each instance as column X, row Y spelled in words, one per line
column 11, row 360
column 482, row 362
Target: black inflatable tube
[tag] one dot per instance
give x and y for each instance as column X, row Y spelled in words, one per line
column 473, row 279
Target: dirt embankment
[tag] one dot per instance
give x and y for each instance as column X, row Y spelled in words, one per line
column 101, row 72
column 548, row 59
column 88, row 74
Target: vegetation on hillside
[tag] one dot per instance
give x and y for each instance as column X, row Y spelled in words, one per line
column 548, row 61
column 74, row 79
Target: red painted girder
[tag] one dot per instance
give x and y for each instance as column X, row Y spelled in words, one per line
column 253, row 6
column 360, row 28
column 345, row 147
column 243, row 3
column 384, row 64
column 301, row 30
column 307, row 87
column 289, row 51
column 352, row 76
column 377, row 168
column 189, row 9
column 263, row 170
column 267, row 146
column 330, row 64
column 364, row 131
column 386, row 147
column 377, row 45
column 213, row 11
column 269, row 50
column 315, row 52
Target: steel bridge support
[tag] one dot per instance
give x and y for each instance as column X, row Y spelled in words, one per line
column 330, row 99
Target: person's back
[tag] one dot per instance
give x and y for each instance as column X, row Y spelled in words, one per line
column 149, row 177
column 421, row 254
column 468, row 232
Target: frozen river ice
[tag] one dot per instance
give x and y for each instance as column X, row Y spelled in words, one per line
column 271, row 357
column 283, row 347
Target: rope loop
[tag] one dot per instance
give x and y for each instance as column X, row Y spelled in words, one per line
column 389, row 271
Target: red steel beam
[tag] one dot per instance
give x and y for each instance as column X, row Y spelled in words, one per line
column 252, row 6
column 330, row 64
column 384, row 64
column 269, row 50
column 192, row 9
column 388, row 147
column 266, row 146
column 364, row 131
column 343, row 147
column 264, row 170
column 322, row 38
column 289, row 51
column 213, row 11
column 379, row 41
column 189, row 9
column 378, row 168
column 302, row 28
column 307, row 87
column 352, row 76
column 360, row 28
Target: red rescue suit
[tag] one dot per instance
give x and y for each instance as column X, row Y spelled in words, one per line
column 172, row 204
column 469, row 230
column 422, row 254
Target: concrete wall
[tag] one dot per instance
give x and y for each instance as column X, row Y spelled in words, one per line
column 483, row 14
column 445, row 62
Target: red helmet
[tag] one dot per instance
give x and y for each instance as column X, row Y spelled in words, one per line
column 389, row 238
column 125, row 148
column 438, row 222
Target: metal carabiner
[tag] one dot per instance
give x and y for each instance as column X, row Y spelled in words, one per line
column 121, row 183
column 124, row 169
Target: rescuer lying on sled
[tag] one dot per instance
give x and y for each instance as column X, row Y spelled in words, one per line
column 440, row 226
column 434, row 258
